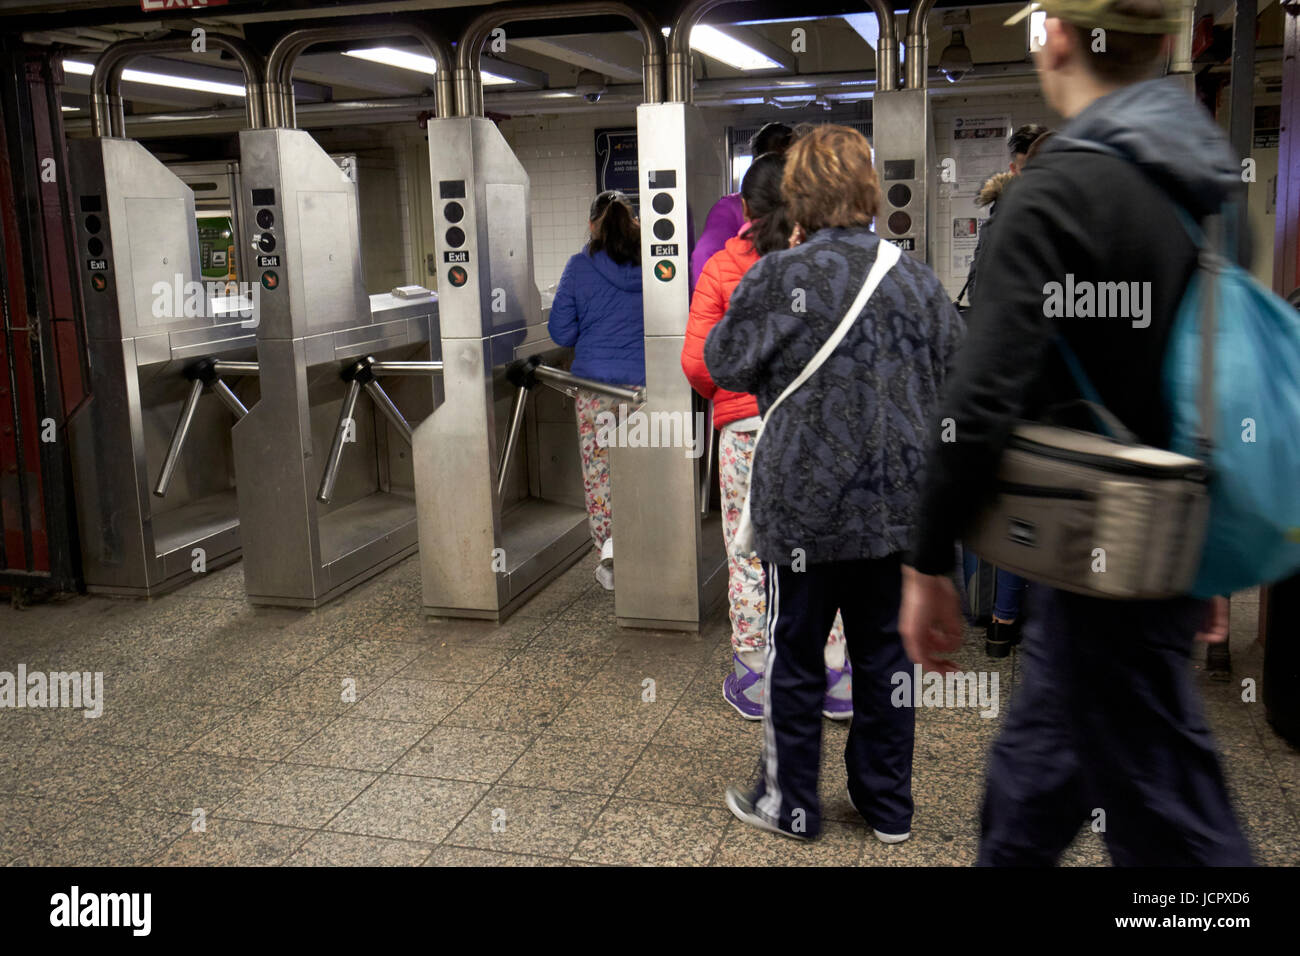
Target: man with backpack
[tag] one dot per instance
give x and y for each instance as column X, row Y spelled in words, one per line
column 1107, row 728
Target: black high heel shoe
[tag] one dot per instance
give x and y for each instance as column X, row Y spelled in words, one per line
column 1001, row 638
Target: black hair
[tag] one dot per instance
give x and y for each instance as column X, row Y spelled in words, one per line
column 615, row 228
column 770, row 226
column 1024, row 137
column 772, row 138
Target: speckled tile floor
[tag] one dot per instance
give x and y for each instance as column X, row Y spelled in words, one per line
column 225, row 740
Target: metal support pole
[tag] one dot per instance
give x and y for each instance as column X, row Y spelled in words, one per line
column 512, row 439
column 336, row 447
column 385, row 405
column 179, row 435
column 1241, row 108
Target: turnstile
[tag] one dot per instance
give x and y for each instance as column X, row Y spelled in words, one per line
column 483, row 552
column 495, row 527
column 330, row 500
column 661, row 493
column 149, row 319
column 315, row 321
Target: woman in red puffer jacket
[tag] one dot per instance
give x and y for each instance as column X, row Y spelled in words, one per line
column 735, row 415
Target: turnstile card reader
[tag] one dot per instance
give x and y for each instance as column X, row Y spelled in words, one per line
column 316, row 321
column 149, row 318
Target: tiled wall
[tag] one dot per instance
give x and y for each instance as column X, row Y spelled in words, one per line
column 559, row 153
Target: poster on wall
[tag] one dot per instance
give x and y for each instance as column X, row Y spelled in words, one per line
column 616, row 166
column 979, row 149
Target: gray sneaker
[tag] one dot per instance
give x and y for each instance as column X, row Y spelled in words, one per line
column 743, row 808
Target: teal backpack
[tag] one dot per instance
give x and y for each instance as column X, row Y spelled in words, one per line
column 1231, row 380
column 1232, row 383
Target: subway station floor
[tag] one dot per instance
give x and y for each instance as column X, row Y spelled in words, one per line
column 471, row 743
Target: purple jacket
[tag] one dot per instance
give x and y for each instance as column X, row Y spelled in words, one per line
column 726, row 219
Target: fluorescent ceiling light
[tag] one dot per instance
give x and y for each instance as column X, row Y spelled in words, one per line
column 71, row 109
column 715, row 44
column 415, row 62
column 159, row 79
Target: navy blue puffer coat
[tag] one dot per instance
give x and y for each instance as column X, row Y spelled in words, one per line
column 597, row 311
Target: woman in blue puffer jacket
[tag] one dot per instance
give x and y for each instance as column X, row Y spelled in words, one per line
column 597, row 311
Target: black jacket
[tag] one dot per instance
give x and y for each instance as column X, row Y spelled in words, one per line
column 1076, row 216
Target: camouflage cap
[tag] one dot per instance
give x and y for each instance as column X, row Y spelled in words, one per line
column 1100, row 13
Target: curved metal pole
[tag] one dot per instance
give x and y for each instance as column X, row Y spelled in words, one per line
column 681, row 70
column 886, row 47
column 279, row 65
column 106, row 115
column 469, row 82
column 918, row 43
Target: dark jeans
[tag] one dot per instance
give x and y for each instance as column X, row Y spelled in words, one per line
column 801, row 609
column 1108, row 721
column 1008, row 588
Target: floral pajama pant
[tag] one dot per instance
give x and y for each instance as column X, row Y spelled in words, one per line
column 746, row 590
column 595, row 461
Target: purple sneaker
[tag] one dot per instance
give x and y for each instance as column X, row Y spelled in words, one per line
column 743, row 690
column 838, row 704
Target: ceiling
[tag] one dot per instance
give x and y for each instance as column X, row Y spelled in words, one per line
column 543, row 58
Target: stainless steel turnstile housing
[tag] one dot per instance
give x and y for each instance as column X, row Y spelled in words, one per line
column 315, row 319
column 483, row 553
column 137, row 249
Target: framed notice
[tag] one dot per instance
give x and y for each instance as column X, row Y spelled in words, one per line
column 616, row 166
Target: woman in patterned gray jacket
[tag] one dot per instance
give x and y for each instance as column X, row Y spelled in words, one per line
column 833, row 494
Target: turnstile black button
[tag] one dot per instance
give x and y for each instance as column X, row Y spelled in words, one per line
column 454, row 212
column 93, row 224
column 265, row 218
column 899, row 195
column 899, row 223
column 95, row 246
column 266, row 242
column 455, row 237
column 664, row 229
column 662, row 203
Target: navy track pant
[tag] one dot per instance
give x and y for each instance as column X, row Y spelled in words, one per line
column 1108, row 727
column 801, row 608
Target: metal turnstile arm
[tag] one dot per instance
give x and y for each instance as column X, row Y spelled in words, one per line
column 527, row 374
column 361, row 375
column 340, row 437
column 205, row 373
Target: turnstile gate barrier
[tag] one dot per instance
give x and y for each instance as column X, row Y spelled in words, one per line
column 148, row 318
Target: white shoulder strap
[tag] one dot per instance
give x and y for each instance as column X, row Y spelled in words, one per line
column 887, row 254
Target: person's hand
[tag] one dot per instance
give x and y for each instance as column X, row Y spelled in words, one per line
column 797, row 236
column 929, row 619
column 1215, row 628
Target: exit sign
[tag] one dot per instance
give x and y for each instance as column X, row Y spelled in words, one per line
column 153, row 6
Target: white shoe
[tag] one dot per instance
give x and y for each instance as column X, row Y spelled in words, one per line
column 889, row 838
column 605, row 575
